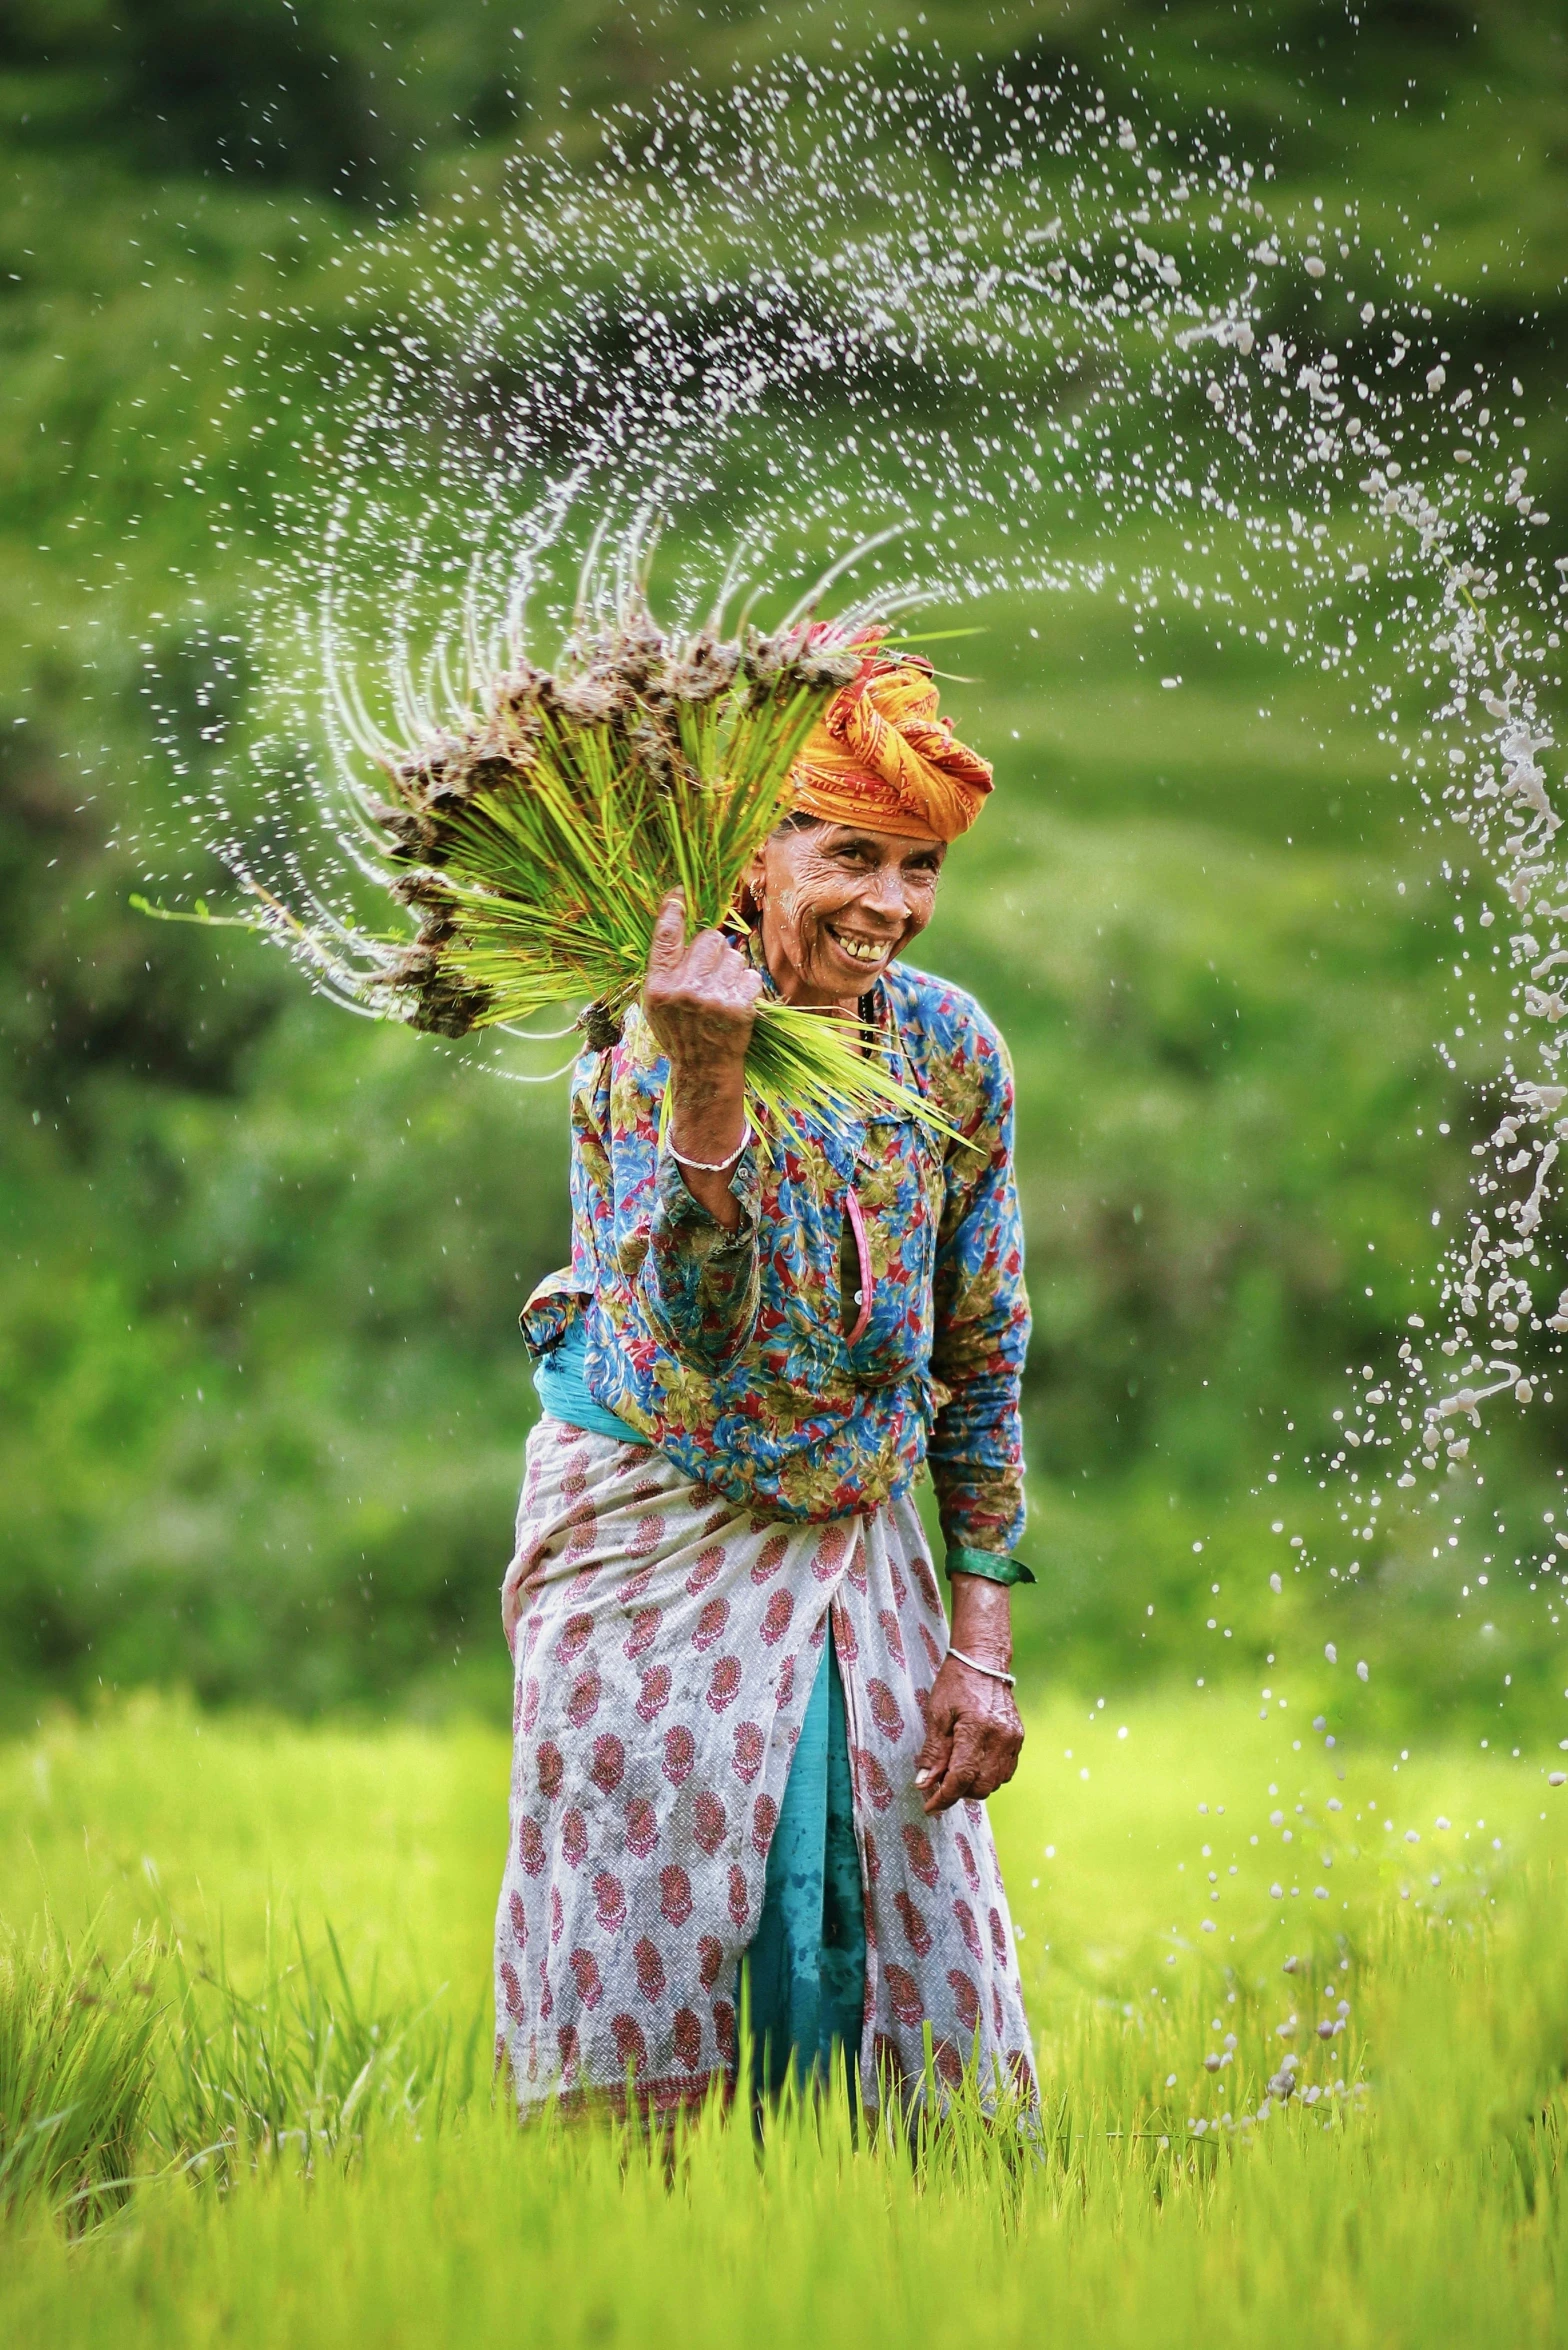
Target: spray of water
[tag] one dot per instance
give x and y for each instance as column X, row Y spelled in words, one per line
column 969, row 340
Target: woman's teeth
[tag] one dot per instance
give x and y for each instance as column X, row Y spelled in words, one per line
column 859, row 950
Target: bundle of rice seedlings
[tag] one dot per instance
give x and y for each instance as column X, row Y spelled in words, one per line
column 535, row 843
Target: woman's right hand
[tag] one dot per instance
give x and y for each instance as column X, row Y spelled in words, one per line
column 700, row 999
column 701, row 1003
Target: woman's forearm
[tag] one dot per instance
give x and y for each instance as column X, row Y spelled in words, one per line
column 701, row 1003
column 982, row 1620
column 708, row 1123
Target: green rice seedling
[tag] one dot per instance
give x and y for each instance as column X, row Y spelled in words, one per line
column 1161, row 2202
column 534, row 835
column 539, row 841
column 77, row 2050
column 1436, row 2217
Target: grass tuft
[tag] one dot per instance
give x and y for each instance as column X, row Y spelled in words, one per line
column 78, row 2040
column 303, row 2067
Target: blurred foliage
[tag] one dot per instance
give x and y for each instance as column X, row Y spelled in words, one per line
column 261, row 1395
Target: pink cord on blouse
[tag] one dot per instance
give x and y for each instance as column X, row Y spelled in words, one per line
column 857, row 1224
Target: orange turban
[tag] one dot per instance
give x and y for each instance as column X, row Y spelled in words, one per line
column 882, row 757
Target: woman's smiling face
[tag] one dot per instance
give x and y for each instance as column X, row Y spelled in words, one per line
column 838, row 903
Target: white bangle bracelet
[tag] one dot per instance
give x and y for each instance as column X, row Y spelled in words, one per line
column 992, row 1672
column 711, row 1166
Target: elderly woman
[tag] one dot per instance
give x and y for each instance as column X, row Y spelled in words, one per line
column 750, row 1750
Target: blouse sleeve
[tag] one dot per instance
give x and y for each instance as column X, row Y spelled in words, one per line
column 981, row 1330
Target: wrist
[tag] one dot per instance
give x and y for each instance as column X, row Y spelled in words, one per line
column 997, row 1566
column 706, row 1095
column 689, row 1164
column 704, row 1144
column 983, row 1666
column 982, row 1620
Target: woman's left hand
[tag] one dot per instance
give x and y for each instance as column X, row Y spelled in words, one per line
column 973, row 1730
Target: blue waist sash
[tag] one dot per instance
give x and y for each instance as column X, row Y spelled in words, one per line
column 561, row 1381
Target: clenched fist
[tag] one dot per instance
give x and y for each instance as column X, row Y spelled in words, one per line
column 700, row 999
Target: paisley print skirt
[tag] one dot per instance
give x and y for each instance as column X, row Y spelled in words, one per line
column 666, row 1643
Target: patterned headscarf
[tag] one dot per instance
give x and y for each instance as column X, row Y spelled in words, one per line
column 883, row 758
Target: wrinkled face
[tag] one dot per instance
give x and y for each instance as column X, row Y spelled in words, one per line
column 839, row 903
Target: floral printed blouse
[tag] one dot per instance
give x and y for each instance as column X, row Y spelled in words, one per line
column 752, row 1359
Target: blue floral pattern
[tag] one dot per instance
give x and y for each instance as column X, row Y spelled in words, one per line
column 732, row 1353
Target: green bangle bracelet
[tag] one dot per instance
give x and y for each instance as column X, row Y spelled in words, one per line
column 993, row 1565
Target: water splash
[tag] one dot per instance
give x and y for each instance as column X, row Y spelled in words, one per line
column 1022, row 345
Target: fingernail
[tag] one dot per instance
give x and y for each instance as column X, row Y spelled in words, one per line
column 921, row 1778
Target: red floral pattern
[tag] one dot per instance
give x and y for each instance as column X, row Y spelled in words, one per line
column 637, row 1856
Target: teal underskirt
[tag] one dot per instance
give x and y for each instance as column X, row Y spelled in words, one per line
column 807, row 1963
column 806, row 1966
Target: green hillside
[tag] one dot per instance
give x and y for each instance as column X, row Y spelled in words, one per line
column 262, row 1399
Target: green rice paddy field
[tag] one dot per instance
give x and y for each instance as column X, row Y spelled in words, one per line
column 278, row 1959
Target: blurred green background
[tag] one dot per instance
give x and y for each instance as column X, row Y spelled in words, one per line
column 262, row 1399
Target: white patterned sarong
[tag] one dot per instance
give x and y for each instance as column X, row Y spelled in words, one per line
column 666, row 1642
